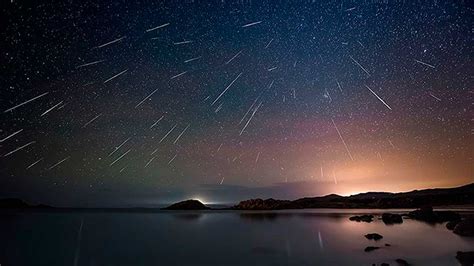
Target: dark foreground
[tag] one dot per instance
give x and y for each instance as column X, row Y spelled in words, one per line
column 299, row 237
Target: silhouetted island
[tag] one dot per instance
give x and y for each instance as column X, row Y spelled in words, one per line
column 10, row 203
column 187, row 205
column 463, row 195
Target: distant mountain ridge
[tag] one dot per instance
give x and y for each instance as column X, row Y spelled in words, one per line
column 463, row 195
column 414, row 199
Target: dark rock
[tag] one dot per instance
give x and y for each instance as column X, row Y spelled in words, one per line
column 451, row 224
column 362, row 218
column 426, row 214
column 373, row 236
column 390, row 218
column 387, row 245
column 402, row 262
column 384, row 264
column 370, row 248
column 465, row 258
column 465, row 227
column 187, row 205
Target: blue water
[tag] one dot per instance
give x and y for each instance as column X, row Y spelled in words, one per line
column 316, row 237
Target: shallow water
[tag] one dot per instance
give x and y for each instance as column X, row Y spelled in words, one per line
column 315, row 237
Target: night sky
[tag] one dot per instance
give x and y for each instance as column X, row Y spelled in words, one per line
column 138, row 103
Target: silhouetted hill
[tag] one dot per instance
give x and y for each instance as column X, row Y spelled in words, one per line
column 10, row 203
column 187, row 205
column 414, row 199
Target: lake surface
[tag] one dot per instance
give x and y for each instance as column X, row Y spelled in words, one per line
column 308, row 237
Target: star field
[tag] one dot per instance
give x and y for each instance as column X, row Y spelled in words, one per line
column 143, row 102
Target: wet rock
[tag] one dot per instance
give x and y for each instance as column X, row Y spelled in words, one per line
column 402, row 262
column 465, row 258
column 426, row 214
column 465, row 227
column 373, row 236
column 362, row 218
column 390, row 218
column 370, row 248
column 451, row 224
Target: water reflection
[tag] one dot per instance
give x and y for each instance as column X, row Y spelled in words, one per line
column 219, row 238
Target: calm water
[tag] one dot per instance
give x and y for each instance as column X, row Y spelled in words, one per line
column 313, row 237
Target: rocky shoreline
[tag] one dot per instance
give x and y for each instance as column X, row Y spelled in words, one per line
column 462, row 226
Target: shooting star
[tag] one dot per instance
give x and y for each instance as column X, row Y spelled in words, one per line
column 179, row 136
column 272, row 68
column 58, row 163
column 146, row 98
column 218, row 108
column 220, row 146
column 357, row 63
column 158, row 27
column 33, row 164
column 111, row 42
column 118, row 147
column 222, row 180
column 120, row 157
column 251, row 24
column 90, row 64
column 380, row 99
column 423, row 63
column 248, row 110
column 258, row 156
column 431, row 94
column 50, row 109
column 149, row 161
column 166, row 135
column 121, row 73
column 157, row 121
column 92, row 120
column 233, row 57
column 172, row 159
column 11, row 135
column 179, row 75
column 250, row 119
column 339, row 85
column 19, row 148
column 268, row 44
column 222, row 93
column 183, row 42
column 391, row 143
column 192, row 59
column 154, row 151
column 342, row 139
column 23, row 103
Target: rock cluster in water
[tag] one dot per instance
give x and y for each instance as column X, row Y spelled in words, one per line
column 362, row 218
